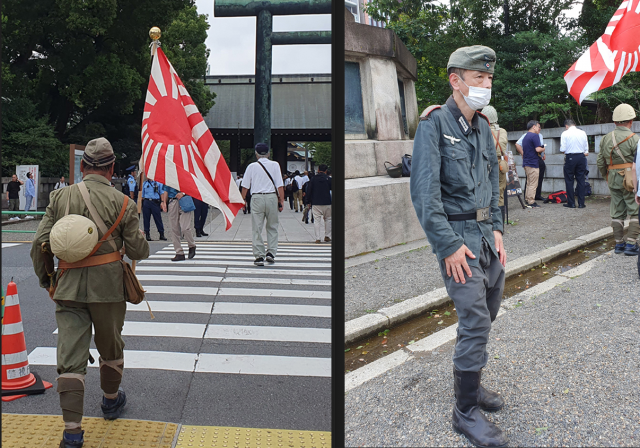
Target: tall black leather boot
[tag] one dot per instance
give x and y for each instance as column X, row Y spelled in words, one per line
column 467, row 418
column 488, row 400
column 148, row 235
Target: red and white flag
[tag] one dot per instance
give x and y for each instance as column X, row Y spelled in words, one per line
column 612, row 56
column 178, row 149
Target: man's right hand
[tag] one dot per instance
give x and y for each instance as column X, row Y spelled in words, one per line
column 456, row 264
column 638, row 200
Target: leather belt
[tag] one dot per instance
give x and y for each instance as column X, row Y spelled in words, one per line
column 482, row 214
column 273, row 192
column 95, row 260
column 620, row 166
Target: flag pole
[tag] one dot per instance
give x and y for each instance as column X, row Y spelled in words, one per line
column 154, row 34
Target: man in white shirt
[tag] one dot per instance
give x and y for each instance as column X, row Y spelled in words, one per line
column 297, row 194
column 264, row 178
column 574, row 145
column 60, row 184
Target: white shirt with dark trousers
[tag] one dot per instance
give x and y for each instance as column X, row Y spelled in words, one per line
column 264, row 204
column 574, row 144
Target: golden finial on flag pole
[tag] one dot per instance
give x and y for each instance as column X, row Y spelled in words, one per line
column 154, row 34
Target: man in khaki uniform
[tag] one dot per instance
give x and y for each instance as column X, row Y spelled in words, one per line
column 617, row 153
column 500, row 140
column 94, row 295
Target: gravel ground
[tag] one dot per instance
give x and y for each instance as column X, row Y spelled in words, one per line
column 568, row 369
column 155, row 235
column 381, row 283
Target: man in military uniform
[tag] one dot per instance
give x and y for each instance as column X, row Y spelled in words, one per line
column 153, row 203
column 500, row 142
column 455, row 190
column 90, row 292
column 617, row 153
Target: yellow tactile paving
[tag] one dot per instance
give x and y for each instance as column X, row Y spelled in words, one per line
column 233, row 437
column 45, row 431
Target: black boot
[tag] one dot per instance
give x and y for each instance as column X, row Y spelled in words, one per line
column 162, row 238
column 198, row 234
column 488, row 400
column 467, row 418
column 148, row 236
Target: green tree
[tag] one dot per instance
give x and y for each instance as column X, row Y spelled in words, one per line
column 85, row 64
column 320, row 152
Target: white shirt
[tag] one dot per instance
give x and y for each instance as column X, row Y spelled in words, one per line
column 300, row 181
column 239, row 182
column 287, row 182
column 60, row 185
column 574, row 141
column 256, row 179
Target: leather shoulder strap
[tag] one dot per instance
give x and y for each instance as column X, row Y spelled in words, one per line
column 485, row 117
column 271, row 179
column 98, row 220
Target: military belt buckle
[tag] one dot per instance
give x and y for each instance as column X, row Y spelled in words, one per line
column 483, row 214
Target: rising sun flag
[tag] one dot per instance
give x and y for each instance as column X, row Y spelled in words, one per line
column 612, row 56
column 178, row 149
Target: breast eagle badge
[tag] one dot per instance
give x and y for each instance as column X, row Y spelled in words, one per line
column 453, row 140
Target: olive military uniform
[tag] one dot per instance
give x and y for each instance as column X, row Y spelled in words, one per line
column 90, row 295
column 500, row 142
column 623, row 204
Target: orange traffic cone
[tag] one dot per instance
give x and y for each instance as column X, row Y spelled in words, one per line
column 17, row 380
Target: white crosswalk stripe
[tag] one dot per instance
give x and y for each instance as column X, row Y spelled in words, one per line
column 220, row 314
column 5, row 245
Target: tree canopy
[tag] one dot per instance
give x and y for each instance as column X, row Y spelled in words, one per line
column 535, row 43
column 78, row 69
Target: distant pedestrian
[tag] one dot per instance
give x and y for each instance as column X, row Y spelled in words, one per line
column 181, row 209
column 542, row 166
column 132, row 186
column 305, row 201
column 531, row 162
column 154, row 203
column 615, row 161
column 297, row 191
column 200, row 217
column 288, row 189
column 574, row 145
column 13, row 196
column 319, row 194
column 29, row 194
column 60, row 184
column 264, row 179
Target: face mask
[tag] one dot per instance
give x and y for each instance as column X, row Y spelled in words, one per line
column 478, row 98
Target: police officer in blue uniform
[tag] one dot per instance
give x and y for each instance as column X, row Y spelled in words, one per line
column 455, row 192
column 153, row 204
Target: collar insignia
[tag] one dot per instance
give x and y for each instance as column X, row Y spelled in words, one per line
column 463, row 123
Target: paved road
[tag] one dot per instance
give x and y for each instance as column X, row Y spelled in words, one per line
column 231, row 344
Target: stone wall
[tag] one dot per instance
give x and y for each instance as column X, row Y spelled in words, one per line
column 379, row 212
column 554, row 176
column 45, row 187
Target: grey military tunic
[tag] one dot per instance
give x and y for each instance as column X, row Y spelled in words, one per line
column 455, row 171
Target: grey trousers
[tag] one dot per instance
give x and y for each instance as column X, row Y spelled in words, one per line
column 477, row 304
column 180, row 223
column 264, row 207
column 322, row 213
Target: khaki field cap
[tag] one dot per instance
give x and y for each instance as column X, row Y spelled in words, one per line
column 623, row 113
column 98, row 152
column 477, row 57
column 491, row 114
column 73, row 237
